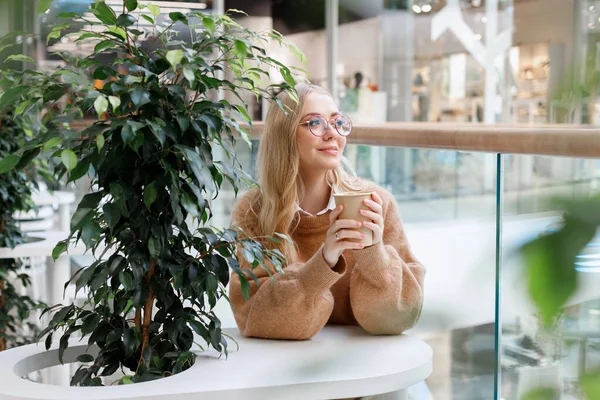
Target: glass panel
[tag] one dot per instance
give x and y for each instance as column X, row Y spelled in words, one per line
column 532, row 357
column 452, row 232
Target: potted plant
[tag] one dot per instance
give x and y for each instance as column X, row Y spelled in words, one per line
column 150, row 156
column 15, row 195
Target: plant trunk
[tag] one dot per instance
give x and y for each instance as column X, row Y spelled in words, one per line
column 2, row 302
column 147, row 312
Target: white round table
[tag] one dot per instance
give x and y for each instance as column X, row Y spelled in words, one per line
column 58, row 272
column 339, row 362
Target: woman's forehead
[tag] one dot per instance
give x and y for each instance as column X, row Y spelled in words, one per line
column 319, row 103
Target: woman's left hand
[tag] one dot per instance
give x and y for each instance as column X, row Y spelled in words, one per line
column 375, row 214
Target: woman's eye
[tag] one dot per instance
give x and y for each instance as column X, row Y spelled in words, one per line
column 314, row 122
column 339, row 123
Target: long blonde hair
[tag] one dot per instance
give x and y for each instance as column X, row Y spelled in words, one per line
column 278, row 171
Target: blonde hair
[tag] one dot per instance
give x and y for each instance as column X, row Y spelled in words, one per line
column 281, row 185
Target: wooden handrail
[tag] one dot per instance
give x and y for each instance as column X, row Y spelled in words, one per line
column 557, row 140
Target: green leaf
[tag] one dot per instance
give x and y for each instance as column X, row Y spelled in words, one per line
column 541, row 394
column 154, row 10
column 101, row 105
column 60, row 248
column 188, row 73
column 112, row 214
column 153, row 247
column 20, row 57
column 11, row 95
column 55, row 141
column 91, row 233
column 100, row 141
column 245, row 288
column 85, row 358
column 174, row 57
column 80, row 218
column 115, row 102
column 209, row 24
column 550, row 260
column 149, row 195
column 240, row 48
column 8, row 163
column 104, row 13
column 131, row 4
column 69, row 159
column 177, row 16
column 148, row 18
column 105, row 44
column 43, row 6
column 125, row 20
column 590, row 383
column 68, row 15
column 103, row 72
column 80, row 170
column 126, row 279
column 139, row 97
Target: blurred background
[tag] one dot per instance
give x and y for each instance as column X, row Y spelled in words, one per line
column 452, row 62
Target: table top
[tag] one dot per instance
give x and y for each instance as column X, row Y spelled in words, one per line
column 338, row 362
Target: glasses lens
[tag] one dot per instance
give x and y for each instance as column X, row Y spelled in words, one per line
column 317, row 126
column 343, row 125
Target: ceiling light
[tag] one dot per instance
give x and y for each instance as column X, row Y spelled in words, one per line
column 426, row 8
column 416, row 9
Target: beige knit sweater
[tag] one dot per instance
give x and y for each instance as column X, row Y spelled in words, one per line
column 379, row 288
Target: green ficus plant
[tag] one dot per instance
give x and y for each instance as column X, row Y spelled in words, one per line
column 15, row 195
column 155, row 281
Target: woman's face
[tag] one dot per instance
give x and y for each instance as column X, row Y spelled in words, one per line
column 319, row 154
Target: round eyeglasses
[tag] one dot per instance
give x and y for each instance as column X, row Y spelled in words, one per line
column 318, row 125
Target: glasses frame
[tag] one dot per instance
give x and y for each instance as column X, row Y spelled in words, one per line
column 328, row 123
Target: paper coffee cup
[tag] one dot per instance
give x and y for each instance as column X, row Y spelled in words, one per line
column 353, row 202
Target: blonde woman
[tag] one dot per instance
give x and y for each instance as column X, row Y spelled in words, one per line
column 328, row 279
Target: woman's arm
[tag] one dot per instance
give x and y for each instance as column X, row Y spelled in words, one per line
column 386, row 286
column 293, row 305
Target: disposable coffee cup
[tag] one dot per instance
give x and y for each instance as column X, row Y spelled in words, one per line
column 353, row 202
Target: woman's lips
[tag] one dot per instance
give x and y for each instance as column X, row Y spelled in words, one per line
column 331, row 152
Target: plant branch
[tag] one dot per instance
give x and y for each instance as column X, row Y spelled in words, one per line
column 2, row 302
column 147, row 312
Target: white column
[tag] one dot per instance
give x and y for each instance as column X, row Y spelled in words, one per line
column 331, row 27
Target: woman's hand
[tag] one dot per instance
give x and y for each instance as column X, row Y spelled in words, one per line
column 337, row 237
column 375, row 214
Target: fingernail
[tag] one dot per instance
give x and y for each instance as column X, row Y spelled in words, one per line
column 359, row 224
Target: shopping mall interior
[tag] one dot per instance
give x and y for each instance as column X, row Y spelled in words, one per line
column 405, row 67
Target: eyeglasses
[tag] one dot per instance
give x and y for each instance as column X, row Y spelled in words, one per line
column 318, row 125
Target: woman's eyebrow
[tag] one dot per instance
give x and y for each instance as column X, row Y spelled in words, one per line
column 335, row 114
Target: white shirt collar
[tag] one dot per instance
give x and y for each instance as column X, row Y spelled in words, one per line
column 330, row 206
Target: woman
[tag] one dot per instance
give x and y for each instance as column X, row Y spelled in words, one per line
column 329, row 279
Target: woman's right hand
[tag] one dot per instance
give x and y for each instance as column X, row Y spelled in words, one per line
column 337, row 237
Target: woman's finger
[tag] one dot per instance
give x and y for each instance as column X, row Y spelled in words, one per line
column 377, row 198
column 335, row 213
column 345, row 224
column 348, row 234
column 370, row 225
column 373, row 216
column 374, row 206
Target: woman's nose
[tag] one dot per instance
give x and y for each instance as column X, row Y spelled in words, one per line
column 330, row 132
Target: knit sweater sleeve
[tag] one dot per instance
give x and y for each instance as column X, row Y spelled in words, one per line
column 294, row 305
column 386, row 286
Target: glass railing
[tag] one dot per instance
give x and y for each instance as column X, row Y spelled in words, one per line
column 448, row 202
column 533, row 357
